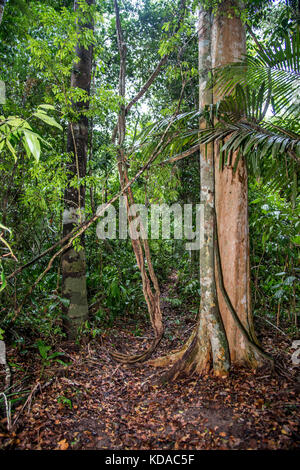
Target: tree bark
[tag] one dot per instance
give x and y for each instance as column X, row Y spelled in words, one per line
column 73, row 261
column 2, row 6
column 229, row 45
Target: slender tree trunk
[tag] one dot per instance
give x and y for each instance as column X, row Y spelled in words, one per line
column 229, row 45
column 2, row 6
column 73, row 261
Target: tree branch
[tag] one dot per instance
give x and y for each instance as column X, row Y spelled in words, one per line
column 187, row 153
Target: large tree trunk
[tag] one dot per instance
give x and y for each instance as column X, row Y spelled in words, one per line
column 207, row 347
column 229, row 45
column 73, row 261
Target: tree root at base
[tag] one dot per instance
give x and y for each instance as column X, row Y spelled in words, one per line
column 127, row 359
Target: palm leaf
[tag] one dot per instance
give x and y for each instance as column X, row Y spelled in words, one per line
column 278, row 67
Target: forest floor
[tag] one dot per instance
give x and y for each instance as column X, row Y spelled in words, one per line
column 95, row 403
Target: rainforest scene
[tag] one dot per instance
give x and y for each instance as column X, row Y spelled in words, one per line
column 149, row 225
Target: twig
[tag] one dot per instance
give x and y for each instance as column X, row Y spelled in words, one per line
column 116, row 369
column 270, row 323
column 28, row 402
column 8, row 411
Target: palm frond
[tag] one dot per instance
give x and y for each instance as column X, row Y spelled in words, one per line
column 278, row 67
column 239, row 123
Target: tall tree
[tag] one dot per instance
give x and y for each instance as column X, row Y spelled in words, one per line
column 224, row 256
column 207, row 346
column 73, row 261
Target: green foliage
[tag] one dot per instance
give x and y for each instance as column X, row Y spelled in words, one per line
column 258, row 116
column 120, row 287
column 274, row 225
column 277, row 66
column 6, row 245
column 14, row 130
column 65, row 401
column 46, row 357
column 175, row 302
column 3, row 280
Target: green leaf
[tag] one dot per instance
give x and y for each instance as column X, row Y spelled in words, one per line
column 3, row 281
column 46, row 106
column 33, row 144
column 47, row 119
column 14, row 121
column 296, row 240
column 11, row 149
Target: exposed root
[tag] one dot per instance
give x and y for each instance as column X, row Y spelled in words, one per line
column 201, row 353
column 174, row 356
column 196, row 359
column 280, row 368
column 127, row 359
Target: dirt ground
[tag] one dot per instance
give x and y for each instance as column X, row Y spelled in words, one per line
column 95, row 403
